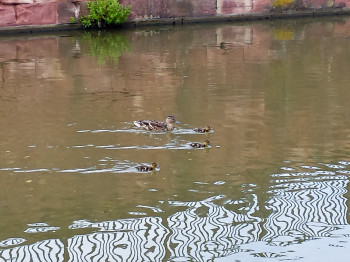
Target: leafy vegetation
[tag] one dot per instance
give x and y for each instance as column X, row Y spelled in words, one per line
column 103, row 13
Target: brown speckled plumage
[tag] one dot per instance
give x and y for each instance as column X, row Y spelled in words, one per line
column 155, row 125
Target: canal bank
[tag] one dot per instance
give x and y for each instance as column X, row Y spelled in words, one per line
column 26, row 16
column 177, row 21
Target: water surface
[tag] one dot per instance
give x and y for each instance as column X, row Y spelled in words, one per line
column 273, row 184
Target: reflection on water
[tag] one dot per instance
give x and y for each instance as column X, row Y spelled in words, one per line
column 303, row 206
column 274, row 184
column 114, row 45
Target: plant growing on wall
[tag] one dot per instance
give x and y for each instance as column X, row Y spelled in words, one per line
column 105, row 12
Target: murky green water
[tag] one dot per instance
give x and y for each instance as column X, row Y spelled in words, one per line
column 273, row 185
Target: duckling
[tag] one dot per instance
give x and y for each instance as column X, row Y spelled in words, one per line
column 144, row 168
column 200, row 145
column 155, row 125
column 202, row 130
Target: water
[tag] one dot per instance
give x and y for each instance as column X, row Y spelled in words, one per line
column 273, row 184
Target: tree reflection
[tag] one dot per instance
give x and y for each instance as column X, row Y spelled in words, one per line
column 106, row 46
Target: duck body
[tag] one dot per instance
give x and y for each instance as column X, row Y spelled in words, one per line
column 200, row 145
column 155, row 125
column 144, row 168
column 202, row 130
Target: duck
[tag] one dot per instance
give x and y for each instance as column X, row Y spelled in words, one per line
column 200, row 145
column 144, row 168
column 202, row 130
column 155, row 125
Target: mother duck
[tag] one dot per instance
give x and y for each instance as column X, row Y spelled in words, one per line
column 155, row 125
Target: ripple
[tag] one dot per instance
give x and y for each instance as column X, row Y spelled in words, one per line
column 172, row 146
column 177, row 131
column 184, row 131
column 31, row 170
column 154, row 209
column 345, row 163
column 219, row 182
column 80, row 224
column 38, row 224
column 303, row 174
column 201, row 183
column 287, row 168
column 130, row 130
column 310, row 167
column 134, row 213
column 10, row 168
column 82, row 146
column 343, row 172
column 12, row 242
column 41, row 229
column 334, row 166
column 117, row 167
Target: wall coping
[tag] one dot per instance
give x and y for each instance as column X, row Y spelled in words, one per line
column 179, row 21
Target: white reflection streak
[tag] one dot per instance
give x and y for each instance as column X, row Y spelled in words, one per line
column 205, row 230
column 299, row 205
column 202, row 237
column 127, row 240
column 46, row 250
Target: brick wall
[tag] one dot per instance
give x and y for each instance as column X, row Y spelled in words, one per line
column 37, row 12
column 40, row 12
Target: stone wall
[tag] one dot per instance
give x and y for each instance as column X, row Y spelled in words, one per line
column 43, row 12
column 37, row 12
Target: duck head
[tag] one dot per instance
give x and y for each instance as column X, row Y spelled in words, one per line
column 154, row 165
column 206, row 143
column 171, row 120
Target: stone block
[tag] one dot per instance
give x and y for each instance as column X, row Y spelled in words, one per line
column 44, row 1
column 261, row 6
column 144, row 9
column 227, row 7
column 318, row 4
column 342, row 3
column 83, row 10
column 36, row 14
column 16, row 2
column 29, row 14
column 66, row 10
column 7, row 15
column 180, row 8
column 204, row 8
column 49, row 13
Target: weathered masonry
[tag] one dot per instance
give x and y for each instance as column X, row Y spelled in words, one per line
column 47, row 12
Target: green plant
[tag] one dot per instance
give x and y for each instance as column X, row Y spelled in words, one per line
column 105, row 12
column 72, row 20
